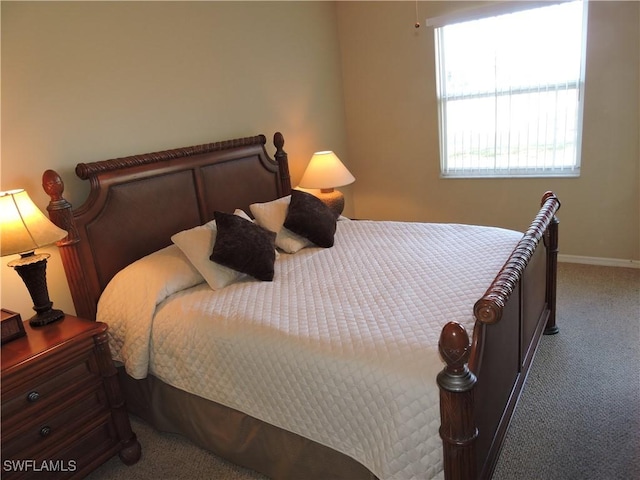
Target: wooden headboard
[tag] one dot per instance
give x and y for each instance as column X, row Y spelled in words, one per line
column 137, row 203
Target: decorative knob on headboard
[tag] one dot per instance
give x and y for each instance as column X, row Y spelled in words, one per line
column 53, row 185
column 59, row 208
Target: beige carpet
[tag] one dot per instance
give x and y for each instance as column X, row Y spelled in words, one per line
column 578, row 418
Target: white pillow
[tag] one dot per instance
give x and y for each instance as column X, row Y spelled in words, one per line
column 163, row 273
column 241, row 213
column 271, row 215
column 197, row 244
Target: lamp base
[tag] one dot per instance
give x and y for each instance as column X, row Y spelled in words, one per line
column 334, row 199
column 45, row 318
column 33, row 271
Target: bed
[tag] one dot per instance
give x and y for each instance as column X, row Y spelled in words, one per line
column 398, row 351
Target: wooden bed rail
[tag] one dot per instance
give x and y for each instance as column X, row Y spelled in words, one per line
column 489, row 308
column 457, row 380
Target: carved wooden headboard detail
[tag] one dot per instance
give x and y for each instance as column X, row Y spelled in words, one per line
column 137, row 203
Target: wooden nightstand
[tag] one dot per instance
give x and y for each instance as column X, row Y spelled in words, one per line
column 62, row 410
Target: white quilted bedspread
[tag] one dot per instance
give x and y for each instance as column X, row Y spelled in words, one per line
column 340, row 348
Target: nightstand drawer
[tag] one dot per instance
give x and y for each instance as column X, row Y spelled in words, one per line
column 72, row 460
column 47, row 388
column 53, row 426
column 99, row 444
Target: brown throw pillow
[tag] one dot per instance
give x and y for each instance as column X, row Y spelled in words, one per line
column 310, row 218
column 244, row 246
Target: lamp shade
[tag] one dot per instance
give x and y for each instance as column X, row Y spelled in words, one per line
column 23, row 227
column 325, row 170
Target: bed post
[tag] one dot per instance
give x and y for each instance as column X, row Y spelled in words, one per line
column 283, row 160
column 550, row 239
column 60, row 213
column 456, row 382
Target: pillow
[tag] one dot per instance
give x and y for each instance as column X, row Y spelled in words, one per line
column 163, row 273
column 241, row 213
column 197, row 244
column 244, row 246
column 310, row 218
column 271, row 215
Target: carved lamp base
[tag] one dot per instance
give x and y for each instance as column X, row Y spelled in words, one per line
column 32, row 269
column 334, row 199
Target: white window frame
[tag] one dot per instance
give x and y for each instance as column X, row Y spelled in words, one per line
column 489, row 166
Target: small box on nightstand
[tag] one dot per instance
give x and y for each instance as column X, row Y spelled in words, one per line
column 11, row 326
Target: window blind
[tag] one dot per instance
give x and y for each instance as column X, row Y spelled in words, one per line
column 510, row 93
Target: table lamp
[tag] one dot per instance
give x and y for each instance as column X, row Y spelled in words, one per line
column 325, row 172
column 23, row 228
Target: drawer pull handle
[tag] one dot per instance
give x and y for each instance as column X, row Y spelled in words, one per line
column 33, row 397
column 44, row 431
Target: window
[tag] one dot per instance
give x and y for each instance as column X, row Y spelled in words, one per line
column 510, row 92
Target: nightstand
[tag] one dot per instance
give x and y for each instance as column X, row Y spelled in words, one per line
column 63, row 413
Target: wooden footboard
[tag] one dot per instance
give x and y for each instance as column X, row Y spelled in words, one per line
column 483, row 377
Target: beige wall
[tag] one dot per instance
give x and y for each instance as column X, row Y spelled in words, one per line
column 392, row 130
column 86, row 81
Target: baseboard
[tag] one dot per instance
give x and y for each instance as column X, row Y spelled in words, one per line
column 605, row 262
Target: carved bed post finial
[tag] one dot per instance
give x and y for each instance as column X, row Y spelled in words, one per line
column 550, row 239
column 59, row 208
column 283, row 160
column 457, row 424
column 278, row 141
